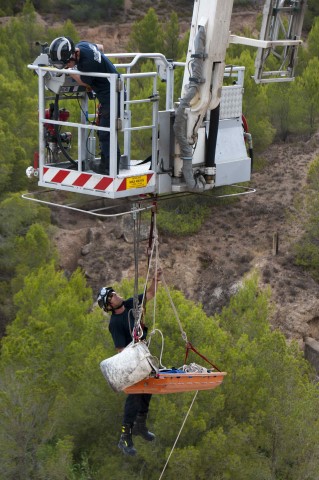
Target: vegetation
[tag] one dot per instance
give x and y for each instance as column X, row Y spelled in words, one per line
column 78, row 11
column 311, row 12
column 96, row 10
column 307, row 248
column 19, row 103
column 24, row 246
column 59, row 418
column 184, row 217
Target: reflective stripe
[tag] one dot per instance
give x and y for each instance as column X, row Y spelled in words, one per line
column 88, row 181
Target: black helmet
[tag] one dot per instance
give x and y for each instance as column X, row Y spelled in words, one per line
column 103, row 296
column 61, row 51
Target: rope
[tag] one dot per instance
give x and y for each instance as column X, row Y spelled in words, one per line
column 183, row 333
column 136, row 236
column 153, row 250
column 156, row 249
column 162, row 348
column 139, row 310
column 153, row 247
column 179, row 433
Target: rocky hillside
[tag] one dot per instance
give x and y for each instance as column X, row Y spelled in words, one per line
column 235, row 240
column 115, row 35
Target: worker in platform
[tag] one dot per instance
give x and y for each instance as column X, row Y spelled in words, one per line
column 89, row 57
column 121, row 327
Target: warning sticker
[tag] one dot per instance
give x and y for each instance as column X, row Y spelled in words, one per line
column 136, row 182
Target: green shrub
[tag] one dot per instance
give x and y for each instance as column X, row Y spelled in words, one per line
column 313, row 175
column 307, row 248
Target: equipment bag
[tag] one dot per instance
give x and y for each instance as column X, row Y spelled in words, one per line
column 128, row 367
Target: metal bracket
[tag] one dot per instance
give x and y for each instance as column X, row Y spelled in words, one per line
column 119, row 85
column 282, row 26
column 154, row 98
column 279, row 37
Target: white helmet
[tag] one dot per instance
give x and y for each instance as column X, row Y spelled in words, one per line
column 61, row 51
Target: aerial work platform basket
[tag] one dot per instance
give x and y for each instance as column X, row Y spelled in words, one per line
column 154, row 167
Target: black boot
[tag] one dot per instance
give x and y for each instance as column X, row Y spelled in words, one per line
column 140, row 428
column 126, row 442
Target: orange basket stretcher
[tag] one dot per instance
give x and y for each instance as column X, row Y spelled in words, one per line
column 176, row 382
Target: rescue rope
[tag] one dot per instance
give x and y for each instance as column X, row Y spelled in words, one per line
column 183, row 333
column 152, row 248
column 136, row 237
column 178, row 435
column 152, row 251
column 161, row 366
column 138, row 310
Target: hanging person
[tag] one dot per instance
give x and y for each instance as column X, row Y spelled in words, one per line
column 121, row 327
column 89, row 57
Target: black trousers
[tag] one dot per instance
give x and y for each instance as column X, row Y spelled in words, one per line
column 134, row 404
column 104, row 138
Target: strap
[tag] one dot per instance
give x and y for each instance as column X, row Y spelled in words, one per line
column 189, row 347
column 140, row 310
column 151, row 235
column 136, row 213
column 150, row 249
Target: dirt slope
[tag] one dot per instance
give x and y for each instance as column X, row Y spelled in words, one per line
column 115, row 36
column 209, row 266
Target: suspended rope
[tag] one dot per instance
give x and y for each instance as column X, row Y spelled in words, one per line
column 178, row 435
column 153, row 250
column 161, row 366
column 153, row 233
column 187, row 378
column 137, row 333
column 189, row 346
column 139, row 309
column 183, row 333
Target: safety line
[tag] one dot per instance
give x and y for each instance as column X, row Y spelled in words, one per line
column 183, row 333
column 179, row 433
column 136, row 235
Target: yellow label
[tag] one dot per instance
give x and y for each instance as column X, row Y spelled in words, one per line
column 136, row 182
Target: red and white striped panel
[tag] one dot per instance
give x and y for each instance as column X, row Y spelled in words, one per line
column 89, row 181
